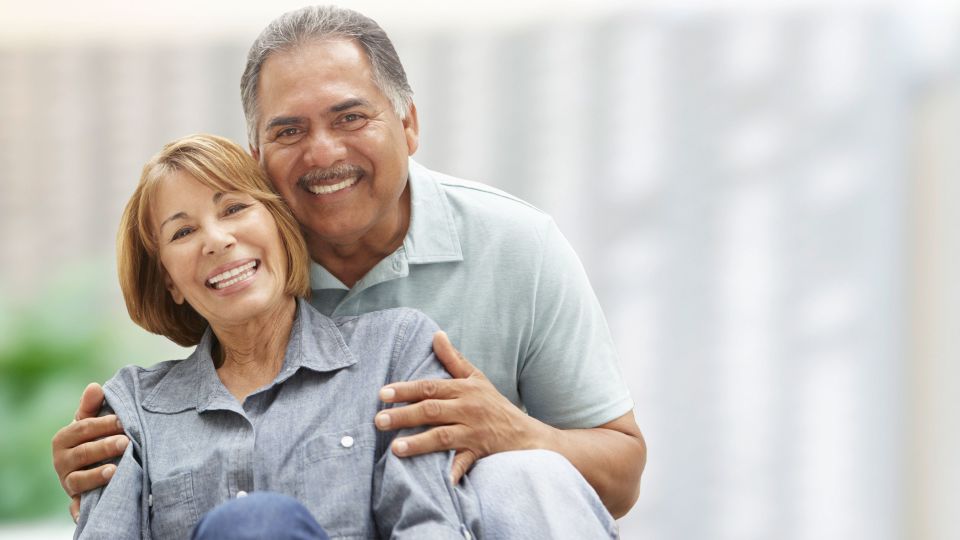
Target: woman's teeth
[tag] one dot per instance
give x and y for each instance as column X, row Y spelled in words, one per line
column 233, row 276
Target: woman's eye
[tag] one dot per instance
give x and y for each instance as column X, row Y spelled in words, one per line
column 234, row 208
column 180, row 233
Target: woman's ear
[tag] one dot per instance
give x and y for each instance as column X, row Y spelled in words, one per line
column 174, row 291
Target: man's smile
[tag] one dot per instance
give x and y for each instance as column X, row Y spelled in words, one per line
column 332, row 180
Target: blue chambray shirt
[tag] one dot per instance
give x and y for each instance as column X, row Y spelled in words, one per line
column 309, row 434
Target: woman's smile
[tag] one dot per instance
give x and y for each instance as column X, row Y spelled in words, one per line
column 221, row 251
column 238, row 273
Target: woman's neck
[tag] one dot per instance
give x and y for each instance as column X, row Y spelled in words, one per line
column 250, row 355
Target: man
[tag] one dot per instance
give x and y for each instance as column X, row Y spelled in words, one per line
column 331, row 120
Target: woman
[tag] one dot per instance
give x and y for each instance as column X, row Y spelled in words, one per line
column 275, row 397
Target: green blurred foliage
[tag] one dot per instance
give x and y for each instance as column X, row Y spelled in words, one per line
column 52, row 344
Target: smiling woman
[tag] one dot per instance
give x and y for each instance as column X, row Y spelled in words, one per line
column 209, row 185
column 208, row 255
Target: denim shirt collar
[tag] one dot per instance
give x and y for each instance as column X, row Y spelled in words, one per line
column 432, row 236
column 315, row 344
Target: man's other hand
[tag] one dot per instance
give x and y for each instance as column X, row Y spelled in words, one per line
column 85, row 441
column 471, row 416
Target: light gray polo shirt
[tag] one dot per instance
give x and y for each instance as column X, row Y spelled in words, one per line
column 496, row 274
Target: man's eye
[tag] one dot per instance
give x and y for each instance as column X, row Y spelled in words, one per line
column 181, row 232
column 352, row 121
column 288, row 135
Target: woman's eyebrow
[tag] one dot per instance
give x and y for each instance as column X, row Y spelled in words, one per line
column 178, row 215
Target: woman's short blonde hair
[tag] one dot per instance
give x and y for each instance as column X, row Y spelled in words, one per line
column 223, row 166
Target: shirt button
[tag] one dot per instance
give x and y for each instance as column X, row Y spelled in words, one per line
column 241, row 493
column 346, row 441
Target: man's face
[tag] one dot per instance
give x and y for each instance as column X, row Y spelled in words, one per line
column 332, row 144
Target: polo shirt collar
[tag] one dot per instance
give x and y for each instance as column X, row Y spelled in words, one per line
column 315, row 344
column 432, row 236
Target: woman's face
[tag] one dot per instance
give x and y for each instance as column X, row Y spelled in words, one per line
column 222, row 252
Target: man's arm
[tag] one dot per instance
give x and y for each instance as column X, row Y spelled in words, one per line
column 85, row 441
column 476, row 420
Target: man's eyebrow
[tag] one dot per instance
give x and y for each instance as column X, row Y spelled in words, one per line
column 349, row 104
column 296, row 120
column 284, row 121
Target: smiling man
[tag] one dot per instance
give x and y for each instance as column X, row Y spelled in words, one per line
column 331, row 119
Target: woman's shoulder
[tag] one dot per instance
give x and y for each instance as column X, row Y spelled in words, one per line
column 400, row 323
column 131, row 383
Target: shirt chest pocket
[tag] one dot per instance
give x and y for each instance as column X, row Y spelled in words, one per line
column 336, row 479
column 173, row 512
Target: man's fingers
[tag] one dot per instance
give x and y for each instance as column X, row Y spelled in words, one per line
column 454, row 362
column 434, row 440
column 75, row 508
column 85, row 430
column 462, row 461
column 90, row 402
column 79, row 482
column 431, row 412
column 413, row 391
column 75, row 459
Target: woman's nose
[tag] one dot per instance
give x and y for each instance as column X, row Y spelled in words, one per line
column 217, row 239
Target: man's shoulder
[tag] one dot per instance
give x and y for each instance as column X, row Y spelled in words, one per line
column 494, row 210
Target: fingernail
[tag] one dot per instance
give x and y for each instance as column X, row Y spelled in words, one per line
column 119, row 424
column 387, row 393
column 122, row 444
column 383, row 420
column 400, row 447
column 108, row 472
column 76, row 517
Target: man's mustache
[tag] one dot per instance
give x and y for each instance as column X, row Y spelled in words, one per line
column 337, row 172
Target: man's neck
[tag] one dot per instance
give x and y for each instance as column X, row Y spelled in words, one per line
column 350, row 261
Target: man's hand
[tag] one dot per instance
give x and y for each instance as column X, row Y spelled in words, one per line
column 85, row 441
column 473, row 418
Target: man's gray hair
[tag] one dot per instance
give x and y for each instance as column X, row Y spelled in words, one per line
column 315, row 23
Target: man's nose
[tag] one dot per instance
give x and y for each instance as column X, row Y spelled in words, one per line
column 324, row 148
column 217, row 238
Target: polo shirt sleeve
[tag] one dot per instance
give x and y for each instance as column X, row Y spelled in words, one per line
column 569, row 376
column 116, row 510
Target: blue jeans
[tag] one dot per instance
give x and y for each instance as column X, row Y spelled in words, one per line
column 259, row 515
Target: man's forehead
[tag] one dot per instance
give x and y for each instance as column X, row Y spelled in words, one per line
column 318, row 54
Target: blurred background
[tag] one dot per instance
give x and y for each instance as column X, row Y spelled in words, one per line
column 766, row 200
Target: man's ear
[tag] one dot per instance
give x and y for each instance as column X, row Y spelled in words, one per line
column 411, row 129
column 174, row 290
column 254, row 151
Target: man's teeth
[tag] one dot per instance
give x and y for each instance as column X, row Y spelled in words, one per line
column 234, row 275
column 320, row 189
